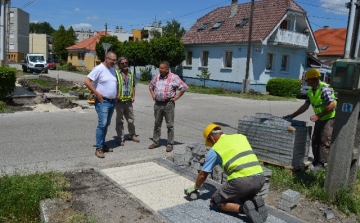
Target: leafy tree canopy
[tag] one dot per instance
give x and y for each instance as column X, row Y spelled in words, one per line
column 137, row 52
column 42, row 28
column 62, row 39
column 115, row 46
column 173, row 28
column 169, row 48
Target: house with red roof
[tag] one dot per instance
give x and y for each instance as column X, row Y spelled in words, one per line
column 218, row 41
column 83, row 54
column 331, row 44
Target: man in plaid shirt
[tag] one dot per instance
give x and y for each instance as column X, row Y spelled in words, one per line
column 163, row 91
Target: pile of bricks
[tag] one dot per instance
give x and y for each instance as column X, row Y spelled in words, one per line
column 276, row 140
column 289, row 200
column 193, row 157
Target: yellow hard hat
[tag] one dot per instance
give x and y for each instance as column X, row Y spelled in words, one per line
column 312, row 73
column 207, row 132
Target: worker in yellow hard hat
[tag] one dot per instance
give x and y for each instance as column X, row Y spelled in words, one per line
column 322, row 99
column 244, row 174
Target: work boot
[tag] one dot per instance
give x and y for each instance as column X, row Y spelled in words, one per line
column 99, row 152
column 107, row 149
column 169, row 148
column 260, row 207
column 133, row 138
column 251, row 213
column 153, row 146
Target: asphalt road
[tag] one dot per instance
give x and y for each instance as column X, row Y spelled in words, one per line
column 45, row 141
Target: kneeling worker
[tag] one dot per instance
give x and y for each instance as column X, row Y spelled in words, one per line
column 244, row 174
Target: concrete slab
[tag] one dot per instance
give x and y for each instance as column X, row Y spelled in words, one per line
column 160, row 186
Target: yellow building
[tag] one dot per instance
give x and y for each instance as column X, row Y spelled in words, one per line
column 41, row 43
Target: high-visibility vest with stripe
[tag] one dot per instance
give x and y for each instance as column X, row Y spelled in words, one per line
column 318, row 104
column 121, row 89
column 238, row 158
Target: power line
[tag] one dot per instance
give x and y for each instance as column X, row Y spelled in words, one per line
column 28, row 3
column 322, row 7
column 323, row 17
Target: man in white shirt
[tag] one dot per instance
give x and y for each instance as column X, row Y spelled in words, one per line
column 102, row 82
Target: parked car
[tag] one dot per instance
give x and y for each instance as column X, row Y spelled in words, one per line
column 51, row 65
column 325, row 77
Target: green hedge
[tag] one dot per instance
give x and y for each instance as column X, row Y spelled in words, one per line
column 284, row 87
column 7, row 81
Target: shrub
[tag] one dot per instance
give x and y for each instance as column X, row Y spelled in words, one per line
column 145, row 74
column 284, row 87
column 7, row 81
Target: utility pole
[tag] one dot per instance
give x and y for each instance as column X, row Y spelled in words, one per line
column 350, row 28
column 246, row 82
column 105, row 28
column 2, row 31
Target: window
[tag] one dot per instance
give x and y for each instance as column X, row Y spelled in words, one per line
column 203, row 26
column 11, row 25
column 204, row 58
column 242, row 22
column 217, row 25
column 270, row 59
column 11, row 35
column 285, row 60
column 188, row 58
column 323, row 48
column 284, row 25
column 228, row 59
column 11, row 14
column 11, row 46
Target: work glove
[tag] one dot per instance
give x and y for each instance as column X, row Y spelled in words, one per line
column 191, row 190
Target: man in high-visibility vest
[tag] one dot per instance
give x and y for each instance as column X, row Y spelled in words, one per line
column 125, row 100
column 323, row 101
column 244, row 174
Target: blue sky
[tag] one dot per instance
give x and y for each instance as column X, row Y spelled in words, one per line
column 92, row 14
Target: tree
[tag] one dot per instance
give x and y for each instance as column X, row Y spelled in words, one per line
column 137, row 52
column 63, row 39
column 41, row 28
column 155, row 33
column 205, row 75
column 169, row 48
column 115, row 46
column 173, row 29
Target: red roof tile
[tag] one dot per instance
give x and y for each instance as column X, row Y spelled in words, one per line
column 267, row 14
column 334, row 38
column 89, row 43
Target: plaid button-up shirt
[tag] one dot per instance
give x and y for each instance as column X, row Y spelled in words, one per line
column 165, row 87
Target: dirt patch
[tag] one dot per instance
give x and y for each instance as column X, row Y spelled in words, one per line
column 311, row 211
column 97, row 197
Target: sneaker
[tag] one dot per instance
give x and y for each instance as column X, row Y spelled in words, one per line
column 260, row 207
column 107, row 149
column 121, row 142
column 251, row 213
column 153, row 146
column 100, row 153
column 133, row 138
column 169, row 148
column 317, row 168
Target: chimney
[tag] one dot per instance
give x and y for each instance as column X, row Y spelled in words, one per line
column 233, row 9
column 325, row 27
column 160, row 24
column 121, row 29
column 116, row 29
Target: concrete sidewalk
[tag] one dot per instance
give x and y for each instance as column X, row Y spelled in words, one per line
column 159, row 185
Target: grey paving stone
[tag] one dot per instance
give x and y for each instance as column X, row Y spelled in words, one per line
column 183, row 218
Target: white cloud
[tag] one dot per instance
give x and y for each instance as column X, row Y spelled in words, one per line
column 77, row 9
column 168, row 12
column 35, row 21
column 94, row 17
column 80, row 26
column 335, row 6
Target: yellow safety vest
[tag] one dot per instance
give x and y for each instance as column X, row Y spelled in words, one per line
column 121, row 90
column 318, row 104
column 238, row 158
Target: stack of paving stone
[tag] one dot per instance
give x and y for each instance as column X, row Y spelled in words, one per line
column 193, row 157
column 289, row 200
column 276, row 140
